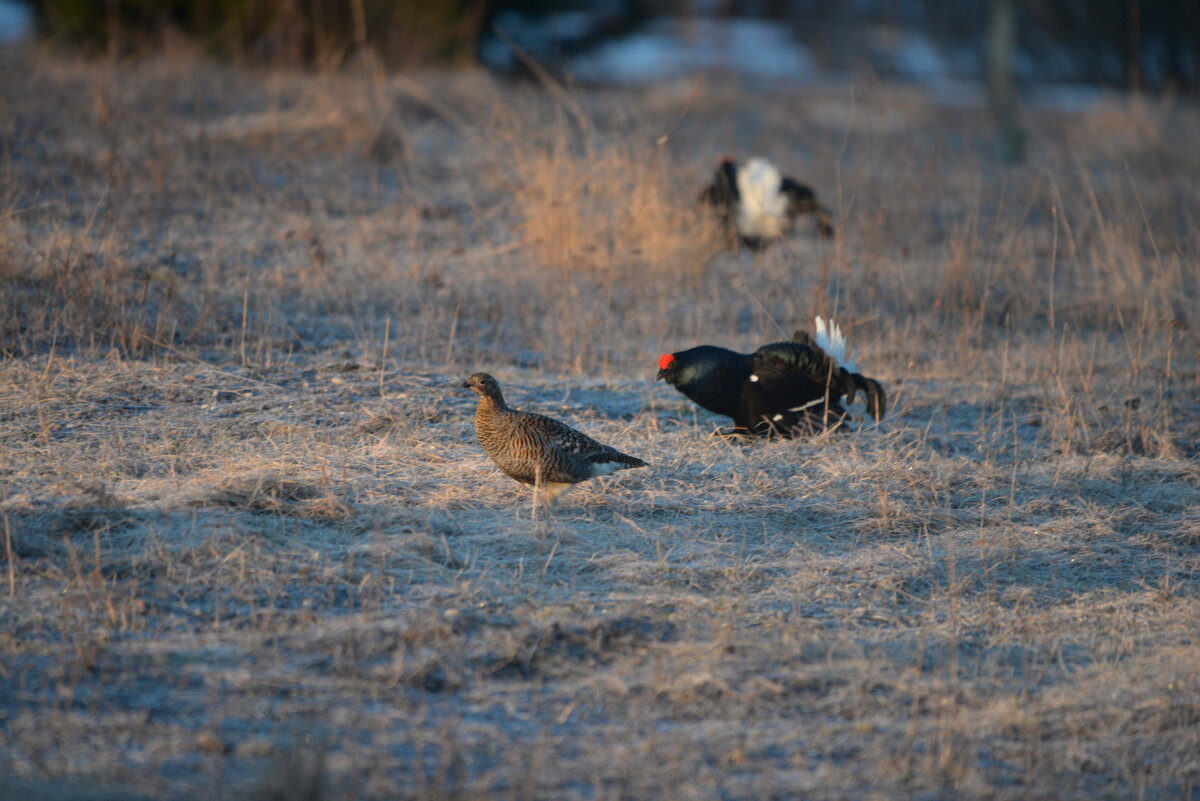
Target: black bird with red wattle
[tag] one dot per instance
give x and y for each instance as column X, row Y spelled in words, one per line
column 782, row 389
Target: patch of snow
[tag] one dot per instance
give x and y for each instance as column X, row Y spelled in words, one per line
column 540, row 36
column 671, row 47
column 918, row 58
column 1068, row 96
column 16, row 21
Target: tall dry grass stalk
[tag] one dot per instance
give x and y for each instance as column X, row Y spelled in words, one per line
column 613, row 206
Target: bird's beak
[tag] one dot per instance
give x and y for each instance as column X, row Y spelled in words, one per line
column 465, row 385
column 666, row 362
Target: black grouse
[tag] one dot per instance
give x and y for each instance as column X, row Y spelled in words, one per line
column 782, row 389
column 538, row 450
column 758, row 204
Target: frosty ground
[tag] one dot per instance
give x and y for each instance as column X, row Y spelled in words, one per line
column 251, row 548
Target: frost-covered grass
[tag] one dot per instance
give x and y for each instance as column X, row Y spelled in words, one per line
column 250, row 547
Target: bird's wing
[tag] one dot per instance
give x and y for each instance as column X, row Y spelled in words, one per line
column 559, row 435
column 718, row 195
column 783, row 362
column 803, row 200
column 800, row 197
column 791, row 384
column 574, row 449
column 851, row 382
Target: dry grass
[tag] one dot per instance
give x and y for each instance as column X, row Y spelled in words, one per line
column 249, row 548
column 607, row 207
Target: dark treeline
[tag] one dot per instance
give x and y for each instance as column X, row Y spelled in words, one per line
column 317, row 33
column 1143, row 44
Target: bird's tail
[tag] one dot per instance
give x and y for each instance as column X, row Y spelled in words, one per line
column 831, row 340
column 758, row 185
column 873, row 394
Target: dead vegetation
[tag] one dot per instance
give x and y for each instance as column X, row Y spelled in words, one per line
column 250, row 549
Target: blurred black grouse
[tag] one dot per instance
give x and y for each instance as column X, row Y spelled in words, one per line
column 782, row 389
column 760, row 205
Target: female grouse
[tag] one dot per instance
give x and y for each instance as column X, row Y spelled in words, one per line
column 537, row 450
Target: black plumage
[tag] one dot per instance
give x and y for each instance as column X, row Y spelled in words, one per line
column 782, row 389
column 758, row 205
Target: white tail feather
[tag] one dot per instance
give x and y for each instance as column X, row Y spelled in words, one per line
column 831, row 341
column 763, row 208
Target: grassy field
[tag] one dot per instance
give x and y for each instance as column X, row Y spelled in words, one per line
column 250, row 548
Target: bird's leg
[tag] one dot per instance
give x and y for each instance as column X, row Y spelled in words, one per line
column 552, row 490
column 537, row 490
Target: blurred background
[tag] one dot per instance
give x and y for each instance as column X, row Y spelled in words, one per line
column 1143, row 45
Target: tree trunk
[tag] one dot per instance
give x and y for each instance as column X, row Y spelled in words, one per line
column 1001, row 89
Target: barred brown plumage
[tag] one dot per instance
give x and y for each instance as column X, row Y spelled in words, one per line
column 538, row 450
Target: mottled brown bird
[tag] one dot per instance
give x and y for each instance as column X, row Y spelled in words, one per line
column 538, row 450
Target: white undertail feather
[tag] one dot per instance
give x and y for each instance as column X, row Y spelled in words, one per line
column 604, row 468
column 832, row 342
column 762, row 211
